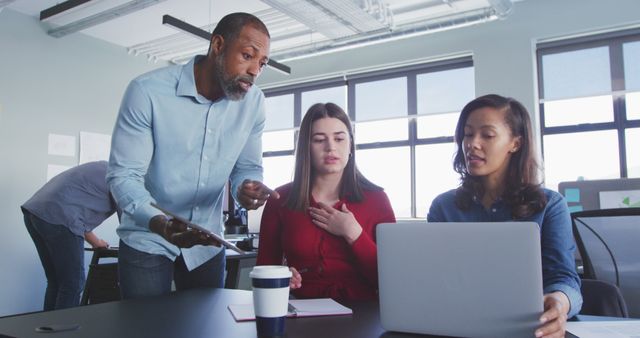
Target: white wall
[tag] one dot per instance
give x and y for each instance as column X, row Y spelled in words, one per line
column 47, row 85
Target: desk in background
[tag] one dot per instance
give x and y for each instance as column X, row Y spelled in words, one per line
column 236, row 263
column 200, row 313
column 102, row 279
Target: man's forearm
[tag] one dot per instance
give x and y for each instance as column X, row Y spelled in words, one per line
column 91, row 238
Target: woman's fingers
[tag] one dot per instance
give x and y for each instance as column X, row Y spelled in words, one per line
column 296, row 279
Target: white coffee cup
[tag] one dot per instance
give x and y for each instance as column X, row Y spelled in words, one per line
column 270, row 298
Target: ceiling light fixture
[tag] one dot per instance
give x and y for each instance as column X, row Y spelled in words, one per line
column 102, row 17
column 61, row 7
column 201, row 33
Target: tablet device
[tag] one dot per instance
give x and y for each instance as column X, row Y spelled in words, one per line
column 191, row 225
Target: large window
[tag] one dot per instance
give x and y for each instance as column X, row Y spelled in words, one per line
column 404, row 121
column 590, row 107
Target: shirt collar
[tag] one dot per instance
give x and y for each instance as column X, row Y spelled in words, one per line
column 337, row 205
column 187, row 81
column 496, row 203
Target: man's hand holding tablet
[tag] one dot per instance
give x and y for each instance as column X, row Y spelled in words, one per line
column 184, row 234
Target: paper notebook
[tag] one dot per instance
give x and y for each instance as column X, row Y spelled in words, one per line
column 297, row 308
column 605, row 329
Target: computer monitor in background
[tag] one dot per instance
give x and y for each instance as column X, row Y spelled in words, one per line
column 601, row 194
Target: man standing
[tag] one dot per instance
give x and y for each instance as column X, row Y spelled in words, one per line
column 182, row 132
column 60, row 217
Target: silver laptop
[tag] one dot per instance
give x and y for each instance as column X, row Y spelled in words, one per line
column 460, row 279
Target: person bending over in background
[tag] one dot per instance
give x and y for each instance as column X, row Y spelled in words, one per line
column 323, row 226
column 59, row 218
column 499, row 174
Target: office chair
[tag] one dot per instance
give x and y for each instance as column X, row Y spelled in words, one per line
column 607, row 241
column 102, row 279
column 602, row 298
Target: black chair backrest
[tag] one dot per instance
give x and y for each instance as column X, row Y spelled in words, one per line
column 608, row 241
column 102, row 284
column 102, row 279
column 601, row 298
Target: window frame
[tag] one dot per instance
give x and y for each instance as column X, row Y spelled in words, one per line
column 350, row 81
column 614, row 41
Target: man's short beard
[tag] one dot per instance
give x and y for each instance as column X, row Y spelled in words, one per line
column 229, row 84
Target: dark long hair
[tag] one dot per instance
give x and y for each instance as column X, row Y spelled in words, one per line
column 352, row 183
column 523, row 192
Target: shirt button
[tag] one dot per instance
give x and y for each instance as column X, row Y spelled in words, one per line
column 202, row 184
column 208, row 131
column 205, row 157
column 494, row 209
column 196, row 208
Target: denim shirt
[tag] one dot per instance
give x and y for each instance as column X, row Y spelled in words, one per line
column 177, row 148
column 77, row 198
column 557, row 244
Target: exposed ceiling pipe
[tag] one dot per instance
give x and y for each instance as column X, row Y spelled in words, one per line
column 502, row 7
column 4, row 3
column 275, row 19
column 336, row 18
column 419, row 28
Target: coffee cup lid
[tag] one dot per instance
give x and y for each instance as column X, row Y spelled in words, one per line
column 270, row 271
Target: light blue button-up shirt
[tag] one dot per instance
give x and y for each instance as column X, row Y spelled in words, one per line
column 173, row 146
column 558, row 262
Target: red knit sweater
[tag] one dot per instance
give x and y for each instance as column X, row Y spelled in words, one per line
column 332, row 268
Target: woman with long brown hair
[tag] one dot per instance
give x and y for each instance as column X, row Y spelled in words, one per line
column 323, row 224
column 499, row 175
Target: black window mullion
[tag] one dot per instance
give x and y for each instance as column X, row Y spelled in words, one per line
column 619, row 111
column 617, row 84
column 297, row 116
column 351, row 100
column 277, row 153
column 435, row 140
column 412, row 109
column 380, row 145
column 543, row 128
column 580, row 128
column 620, row 124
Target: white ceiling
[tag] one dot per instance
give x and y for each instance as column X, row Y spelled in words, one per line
column 293, row 34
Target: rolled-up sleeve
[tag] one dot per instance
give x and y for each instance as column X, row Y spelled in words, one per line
column 131, row 150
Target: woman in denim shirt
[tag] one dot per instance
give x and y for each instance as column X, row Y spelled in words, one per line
column 499, row 174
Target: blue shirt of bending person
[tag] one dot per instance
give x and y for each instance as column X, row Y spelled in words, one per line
column 558, row 264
